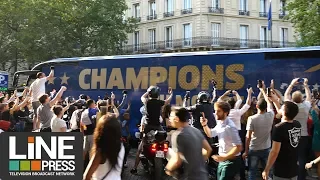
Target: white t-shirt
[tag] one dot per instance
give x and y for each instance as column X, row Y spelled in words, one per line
column 57, row 124
column 73, row 120
column 115, row 173
column 38, row 88
column 235, row 115
column 302, row 116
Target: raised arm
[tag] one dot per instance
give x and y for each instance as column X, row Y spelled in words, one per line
column 58, row 96
column 167, row 101
column 214, row 95
column 123, row 102
column 287, row 94
column 144, row 97
column 51, row 74
column 307, row 90
column 221, row 98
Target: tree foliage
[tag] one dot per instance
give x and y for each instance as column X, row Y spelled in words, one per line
column 39, row 30
column 305, row 16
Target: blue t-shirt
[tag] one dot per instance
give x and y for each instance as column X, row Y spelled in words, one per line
column 92, row 112
column 124, row 124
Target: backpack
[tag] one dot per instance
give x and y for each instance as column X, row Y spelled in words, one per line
column 79, row 117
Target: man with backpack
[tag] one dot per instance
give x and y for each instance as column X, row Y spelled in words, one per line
column 76, row 116
column 88, row 125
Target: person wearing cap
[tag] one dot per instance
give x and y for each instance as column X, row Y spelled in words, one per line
column 37, row 89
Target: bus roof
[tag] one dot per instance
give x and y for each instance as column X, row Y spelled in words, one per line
column 220, row 52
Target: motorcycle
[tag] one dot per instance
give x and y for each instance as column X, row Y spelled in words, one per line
column 153, row 156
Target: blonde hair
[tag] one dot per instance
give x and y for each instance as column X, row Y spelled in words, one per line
column 297, row 97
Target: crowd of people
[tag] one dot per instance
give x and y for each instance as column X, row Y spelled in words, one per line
column 279, row 135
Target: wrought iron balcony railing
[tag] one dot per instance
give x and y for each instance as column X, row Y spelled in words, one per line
column 216, row 10
column 203, row 42
column 282, row 14
column 138, row 19
column 152, row 17
column 244, row 13
column 168, row 14
column 186, row 11
column 263, row 14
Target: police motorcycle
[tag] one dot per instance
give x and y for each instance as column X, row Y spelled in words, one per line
column 154, row 150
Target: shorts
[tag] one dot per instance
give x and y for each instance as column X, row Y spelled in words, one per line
column 280, row 178
column 87, row 143
column 35, row 106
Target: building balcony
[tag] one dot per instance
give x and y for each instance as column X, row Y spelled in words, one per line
column 263, row 14
column 216, row 10
column 282, row 15
column 168, row 14
column 152, row 17
column 203, row 43
column 244, row 13
column 186, row 11
column 138, row 19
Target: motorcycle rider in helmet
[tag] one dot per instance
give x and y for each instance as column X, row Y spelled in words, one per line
column 153, row 106
column 204, row 106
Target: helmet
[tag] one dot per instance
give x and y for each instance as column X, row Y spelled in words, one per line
column 154, row 91
column 203, row 96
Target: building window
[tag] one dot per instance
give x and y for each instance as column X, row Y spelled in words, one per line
column 169, row 37
column 263, row 37
column 168, row 9
column 244, row 36
column 187, row 4
column 215, row 33
column 169, row 5
column 136, row 41
column 243, row 8
column 283, row 37
column 136, row 10
column 187, row 35
column 282, row 12
column 243, row 5
column 152, row 39
column 152, row 10
column 216, row 3
column 263, row 8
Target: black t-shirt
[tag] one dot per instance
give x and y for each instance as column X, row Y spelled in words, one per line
column 5, row 115
column 154, row 111
column 288, row 134
column 207, row 109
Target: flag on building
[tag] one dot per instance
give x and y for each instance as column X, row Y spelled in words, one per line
column 270, row 17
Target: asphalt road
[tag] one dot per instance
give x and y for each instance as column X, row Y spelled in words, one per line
column 143, row 176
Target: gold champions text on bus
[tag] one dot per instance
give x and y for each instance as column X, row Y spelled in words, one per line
column 227, row 77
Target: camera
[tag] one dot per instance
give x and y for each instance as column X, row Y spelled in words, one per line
column 315, row 94
column 187, row 96
column 301, row 80
column 269, row 92
column 231, row 93
column 51, row 67
column 214, row 83
column 260, row 85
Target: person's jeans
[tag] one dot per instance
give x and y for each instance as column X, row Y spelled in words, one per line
column 303, row 156
column 254, row 157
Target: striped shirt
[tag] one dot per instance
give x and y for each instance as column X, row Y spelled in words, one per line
column 38, row 88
